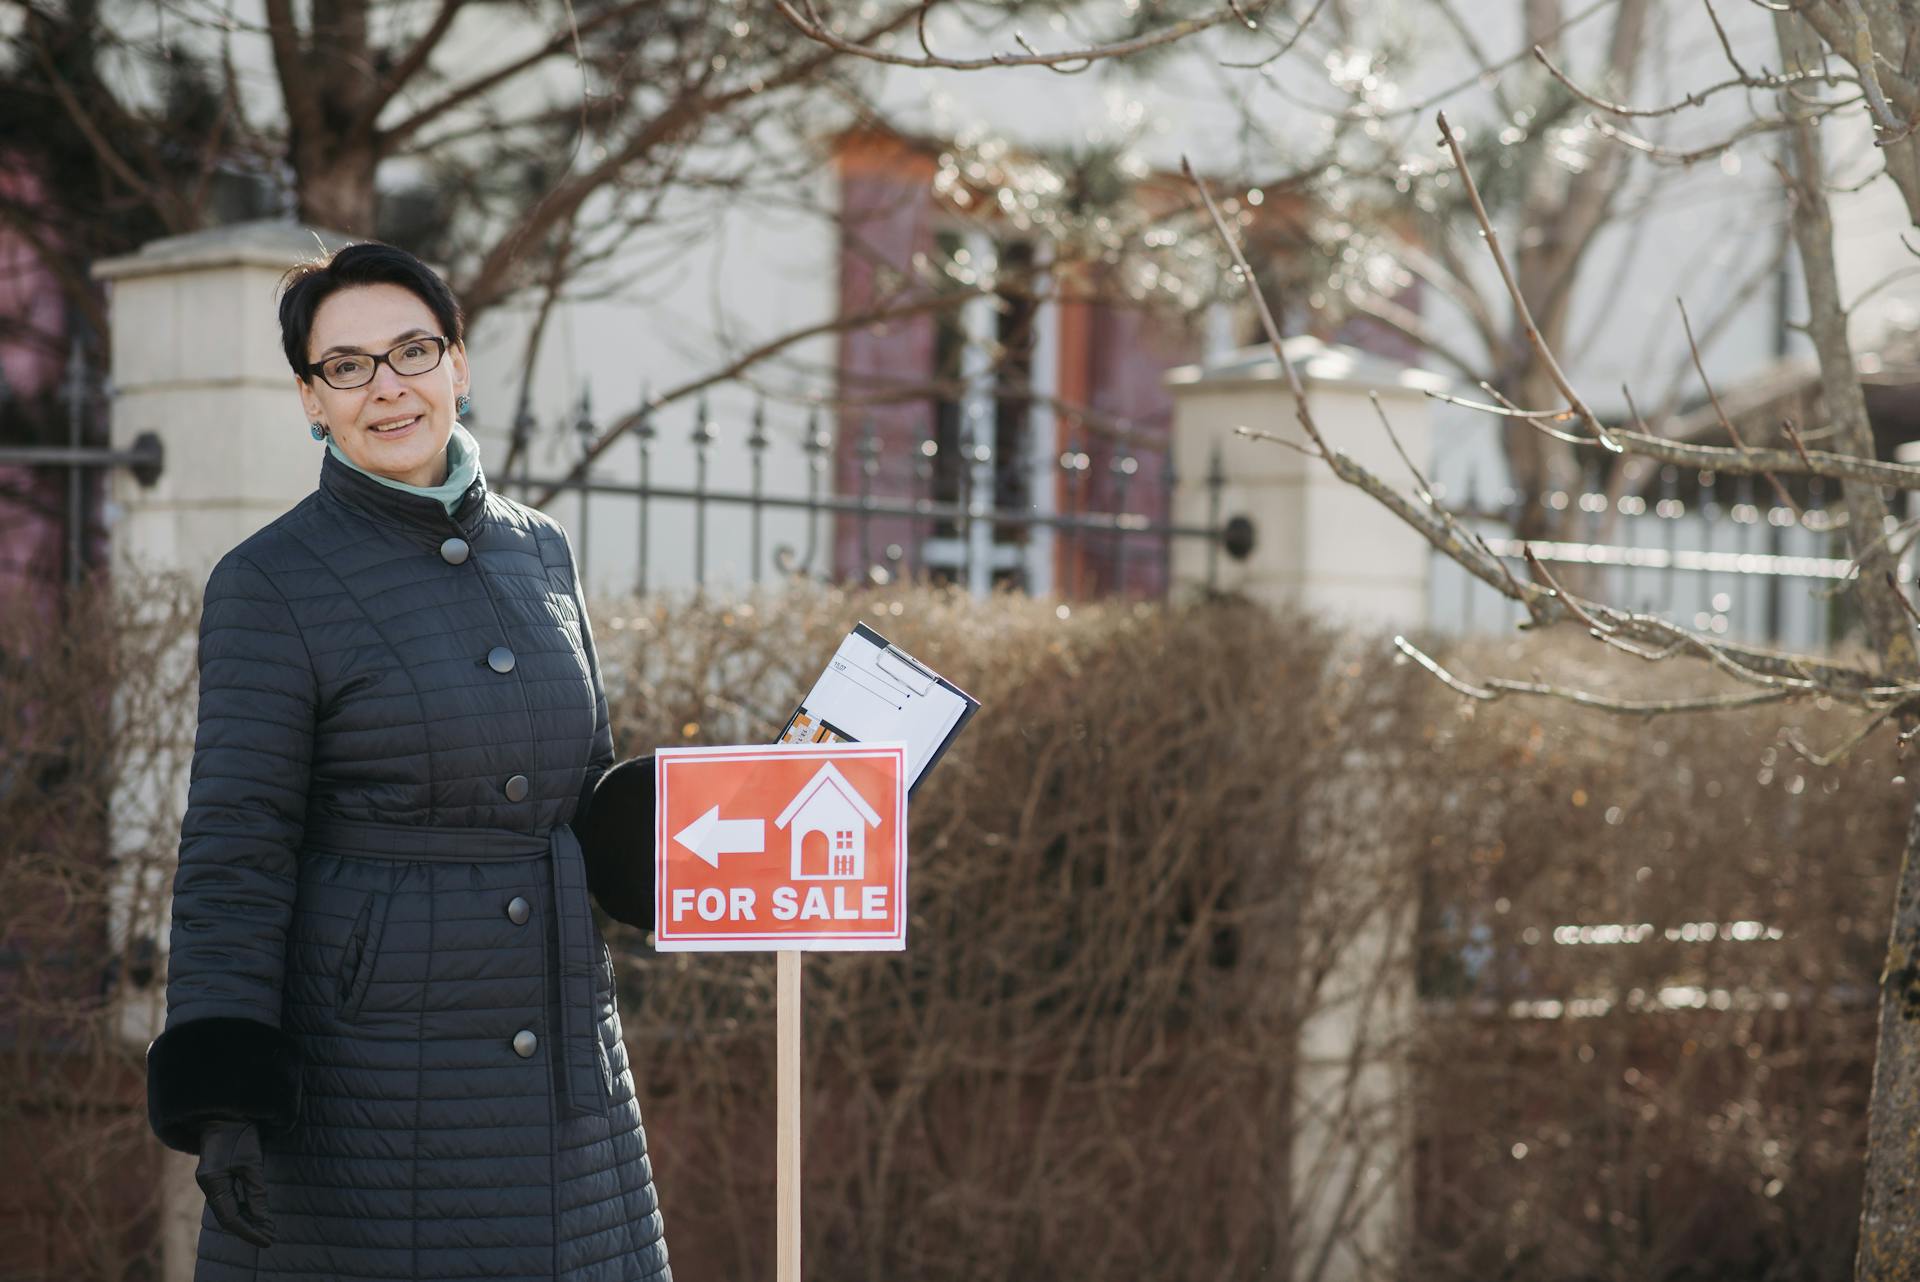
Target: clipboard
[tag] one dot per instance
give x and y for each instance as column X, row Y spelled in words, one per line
column 873, row 690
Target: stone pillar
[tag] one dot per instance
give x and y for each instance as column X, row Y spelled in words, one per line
column 1324, row 547
column 1319, row 543
column 197, row 362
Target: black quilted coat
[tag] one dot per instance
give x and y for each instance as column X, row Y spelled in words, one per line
column 382, row 946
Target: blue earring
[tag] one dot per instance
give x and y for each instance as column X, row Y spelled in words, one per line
column 319, row 431
column 461, row 405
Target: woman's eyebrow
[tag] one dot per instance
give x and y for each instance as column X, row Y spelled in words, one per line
column 395, row 341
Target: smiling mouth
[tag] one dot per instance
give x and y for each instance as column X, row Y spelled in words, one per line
column 402, row 425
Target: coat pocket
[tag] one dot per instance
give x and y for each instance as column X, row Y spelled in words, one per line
column 362, row 950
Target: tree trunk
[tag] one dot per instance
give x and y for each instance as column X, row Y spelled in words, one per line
column 1539, row 463
column 336, row 189
column 1889, row 1248
column 329, row 82
column 1886, row 620
column 1560, row 215
column 1889, row 1231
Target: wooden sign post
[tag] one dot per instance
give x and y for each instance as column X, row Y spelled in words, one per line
column 787, row 1144
column 787, row 849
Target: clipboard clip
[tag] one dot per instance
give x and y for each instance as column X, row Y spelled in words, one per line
column 913, row 666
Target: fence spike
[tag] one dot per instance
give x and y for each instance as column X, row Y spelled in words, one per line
column 704, row 429
column 757, row 439
column 757, row 445
column 869, row 448
column 1216, row 487
column 703, row 436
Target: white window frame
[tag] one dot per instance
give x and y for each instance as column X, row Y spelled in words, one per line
column 979, row 328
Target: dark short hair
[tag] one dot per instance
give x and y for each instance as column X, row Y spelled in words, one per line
column 370, row 262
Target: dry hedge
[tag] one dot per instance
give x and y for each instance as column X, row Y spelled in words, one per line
column 1651, row 951
column 1073, row 1069
column 1168, row 839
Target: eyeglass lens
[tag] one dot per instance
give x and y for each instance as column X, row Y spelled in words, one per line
column 353, row 369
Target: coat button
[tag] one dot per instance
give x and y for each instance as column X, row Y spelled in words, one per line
column 525, row 1043
column 454, row 551
column 518, row 910
column 517, row 788
column 500, row 659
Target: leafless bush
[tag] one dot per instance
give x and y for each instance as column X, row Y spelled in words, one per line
column 1076, row 1066
column 90, row 705
column 1650, row 960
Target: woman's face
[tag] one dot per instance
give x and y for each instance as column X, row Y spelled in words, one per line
column 397, row 425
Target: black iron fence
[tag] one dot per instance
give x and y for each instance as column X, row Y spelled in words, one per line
column 880, row 531
column 1721, row 555
column 77, row 412
column 899, row 511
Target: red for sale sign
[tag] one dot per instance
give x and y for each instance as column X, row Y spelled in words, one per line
column 761, row 849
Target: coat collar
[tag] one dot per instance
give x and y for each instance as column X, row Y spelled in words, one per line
column 383, row 503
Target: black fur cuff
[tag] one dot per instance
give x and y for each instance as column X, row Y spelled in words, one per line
column 615, row 830
column 220, row 1069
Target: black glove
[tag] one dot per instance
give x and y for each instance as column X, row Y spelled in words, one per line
column 614, row 824
column 233, row 1175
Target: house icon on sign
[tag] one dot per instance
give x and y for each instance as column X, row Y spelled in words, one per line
column 830, row 820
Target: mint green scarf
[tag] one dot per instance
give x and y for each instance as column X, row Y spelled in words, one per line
column 463, row 464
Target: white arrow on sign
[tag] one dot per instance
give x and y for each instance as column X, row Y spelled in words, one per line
column 710, row 836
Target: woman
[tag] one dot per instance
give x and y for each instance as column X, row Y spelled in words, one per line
column 391, row 1029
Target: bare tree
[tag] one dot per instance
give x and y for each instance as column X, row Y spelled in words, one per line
column 541, row 160
column 508, row 141
column 1562, row 207
column 1881, row 691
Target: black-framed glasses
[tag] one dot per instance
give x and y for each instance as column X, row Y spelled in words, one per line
column 349, row 370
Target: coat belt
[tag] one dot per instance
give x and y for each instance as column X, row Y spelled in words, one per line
column 586, row 1076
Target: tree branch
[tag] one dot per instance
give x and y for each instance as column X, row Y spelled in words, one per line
column 1522, row 311
column 1813, row 232
column 1495, row 687
column 1860, row 53
column 673, row 120
column 160, row 200
column 296, row 86
column 1782, row 674
column 1696, row 98
column 1676, row 156
column 397, row 135
column 408, row 65
column 1720, row 412
column 810, row 26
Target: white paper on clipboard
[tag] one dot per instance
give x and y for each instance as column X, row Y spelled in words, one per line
column 873, row 690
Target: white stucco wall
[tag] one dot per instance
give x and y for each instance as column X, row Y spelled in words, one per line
column 756, row 274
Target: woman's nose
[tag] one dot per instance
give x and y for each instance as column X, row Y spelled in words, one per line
column 387, row 380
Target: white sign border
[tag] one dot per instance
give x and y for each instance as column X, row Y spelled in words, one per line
column 733, row 942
